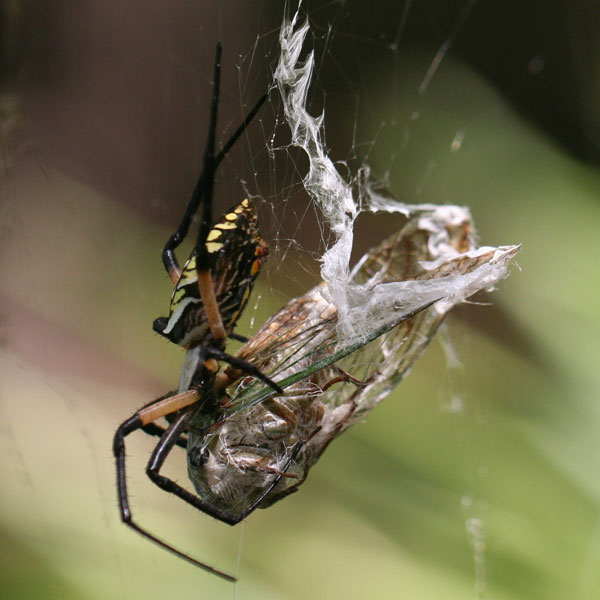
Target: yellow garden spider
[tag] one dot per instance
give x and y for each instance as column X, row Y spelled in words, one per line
column 210, row 293
column 248, row 444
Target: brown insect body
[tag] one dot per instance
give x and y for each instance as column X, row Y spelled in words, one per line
column 233, row 463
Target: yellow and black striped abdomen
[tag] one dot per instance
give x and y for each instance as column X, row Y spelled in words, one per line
column 236, row 252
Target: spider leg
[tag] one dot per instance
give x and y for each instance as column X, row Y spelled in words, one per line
column 138, row 421
column 204, row 183
column 206, row 285
column 144, row 418
column 158, row 431
column 162, row 450
column 242, row 365
column 239, row 338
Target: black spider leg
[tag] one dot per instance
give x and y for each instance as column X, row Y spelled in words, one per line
column 168, row 254
column 208, row 169
column 242, row 365
column 129, row 426
column 158, row 431
column 203, row 257
column 162, row 450
column 238, row 337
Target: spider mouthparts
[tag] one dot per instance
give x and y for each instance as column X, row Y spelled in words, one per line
column 160, row 324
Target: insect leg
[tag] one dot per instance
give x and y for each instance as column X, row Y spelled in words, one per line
column 292, row 488
column 272, row 485
column 161, row 452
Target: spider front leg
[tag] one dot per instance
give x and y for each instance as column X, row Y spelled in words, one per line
column 158, row 431
column 206, row 177
column 213, row 287
column 141, row 419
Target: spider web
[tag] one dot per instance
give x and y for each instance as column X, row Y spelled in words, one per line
column 309, row 194
column 387, row 115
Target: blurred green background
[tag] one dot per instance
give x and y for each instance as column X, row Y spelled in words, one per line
column 477, row 478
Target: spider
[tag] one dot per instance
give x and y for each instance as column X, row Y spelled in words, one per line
column 210, row 293
column 248, row 444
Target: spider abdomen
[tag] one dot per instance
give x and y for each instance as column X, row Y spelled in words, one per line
column 235, row 253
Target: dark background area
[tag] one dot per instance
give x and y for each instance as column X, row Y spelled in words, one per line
column 111, row 93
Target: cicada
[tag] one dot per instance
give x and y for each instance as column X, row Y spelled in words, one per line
column 257, row 436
